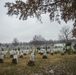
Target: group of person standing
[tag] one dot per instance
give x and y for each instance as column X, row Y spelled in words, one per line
column 69, row 48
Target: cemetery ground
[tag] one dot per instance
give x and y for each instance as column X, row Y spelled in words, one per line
column 56, row 64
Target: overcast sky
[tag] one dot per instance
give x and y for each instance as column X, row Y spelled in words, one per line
column 12, row 27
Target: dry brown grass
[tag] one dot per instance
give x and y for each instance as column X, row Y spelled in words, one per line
column 62, row 65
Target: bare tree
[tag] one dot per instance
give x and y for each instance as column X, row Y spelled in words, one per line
column 57, row 9
column 38, row 40
column 34, row 8
column 65, row 34
column 15, row 42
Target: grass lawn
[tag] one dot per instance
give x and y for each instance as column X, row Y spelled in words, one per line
column 60, row 64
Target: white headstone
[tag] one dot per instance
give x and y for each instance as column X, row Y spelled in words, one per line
column 21, row 53
column 52, row 51
column 45, row 54
column 17, row 52
column 1, row 56
column 11, row 52
column 15, row 57
column 32, row 56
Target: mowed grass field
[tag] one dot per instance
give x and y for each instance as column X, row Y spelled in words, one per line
column 59, row 64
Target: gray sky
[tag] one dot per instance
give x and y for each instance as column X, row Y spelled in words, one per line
column 12, row 27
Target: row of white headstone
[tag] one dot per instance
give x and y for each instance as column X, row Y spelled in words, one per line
column 2, row 55
column 51, row 51
column 3, row 52
column 21, row 53
column 15, row 57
